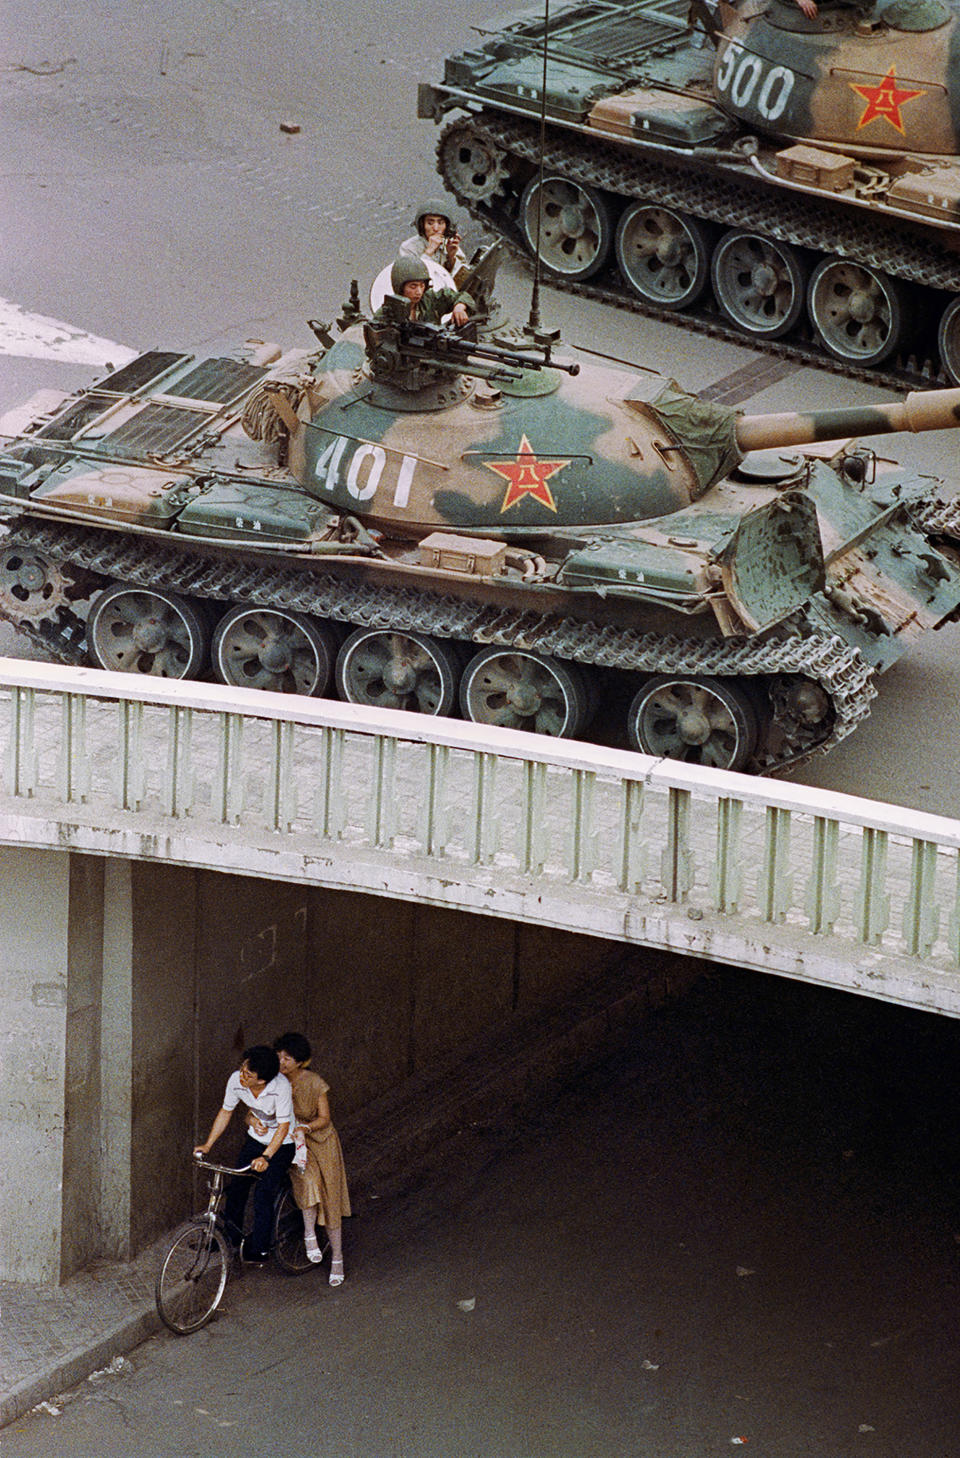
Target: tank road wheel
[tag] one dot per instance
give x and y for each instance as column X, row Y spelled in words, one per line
column 146, row 630
column 268, row 648
column 664, row 256
column 948, row 340
column 473, row 168
column 517, row 690
column 859, row 313
column 398, row 671
column 700, row 720
column 759, row 284
column 576, row 226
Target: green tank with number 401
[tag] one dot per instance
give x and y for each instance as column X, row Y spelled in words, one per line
column 413, row 518
column 750, row 169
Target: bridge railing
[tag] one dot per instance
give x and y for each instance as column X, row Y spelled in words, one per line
column 464, row 799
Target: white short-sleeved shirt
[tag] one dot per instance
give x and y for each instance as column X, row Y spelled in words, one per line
column 273, row 1105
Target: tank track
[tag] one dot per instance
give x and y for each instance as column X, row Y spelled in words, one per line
column 936, row 518
column 837, row 667
column 793, row 218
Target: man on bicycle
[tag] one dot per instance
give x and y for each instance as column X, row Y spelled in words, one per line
column 259, row 1084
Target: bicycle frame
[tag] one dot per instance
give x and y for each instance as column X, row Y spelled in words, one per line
column 193, row 1275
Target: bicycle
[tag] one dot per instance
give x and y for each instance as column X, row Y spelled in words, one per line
column 194, row 1271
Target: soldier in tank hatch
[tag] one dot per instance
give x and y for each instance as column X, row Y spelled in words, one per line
column 410, row 280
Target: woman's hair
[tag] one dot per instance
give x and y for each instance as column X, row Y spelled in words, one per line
column 262, row 1061
column 295, row 1044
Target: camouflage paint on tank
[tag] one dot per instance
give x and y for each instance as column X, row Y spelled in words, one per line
column 836, row 81
column 577, row 457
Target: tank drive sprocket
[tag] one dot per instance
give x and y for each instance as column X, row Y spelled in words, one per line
column 35, row 587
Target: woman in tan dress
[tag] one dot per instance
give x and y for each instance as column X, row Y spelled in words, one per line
column 320, row 1189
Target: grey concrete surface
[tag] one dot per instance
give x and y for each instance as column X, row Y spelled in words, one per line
column 740, row 1228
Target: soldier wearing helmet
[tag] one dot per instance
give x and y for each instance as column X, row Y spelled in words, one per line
column 436, row 241
column 410, row 279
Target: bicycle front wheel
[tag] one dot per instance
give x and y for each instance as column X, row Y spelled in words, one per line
column 289, row 1251
column 192, row 1278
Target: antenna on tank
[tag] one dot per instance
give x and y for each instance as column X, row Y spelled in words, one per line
column 533, row 327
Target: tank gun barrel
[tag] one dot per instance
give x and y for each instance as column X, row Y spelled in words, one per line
column 921, row 410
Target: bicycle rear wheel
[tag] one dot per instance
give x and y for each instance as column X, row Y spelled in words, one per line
column 192, row 1278
column 289, row 1251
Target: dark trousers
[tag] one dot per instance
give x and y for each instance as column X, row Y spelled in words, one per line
column 265, row 1189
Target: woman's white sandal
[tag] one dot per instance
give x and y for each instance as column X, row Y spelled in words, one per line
column 314, row 1253
column 336, row 1273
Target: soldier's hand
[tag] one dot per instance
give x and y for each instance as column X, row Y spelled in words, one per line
column 459, row 315
column 809, row 8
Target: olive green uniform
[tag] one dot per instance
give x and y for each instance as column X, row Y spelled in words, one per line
column 433, row 306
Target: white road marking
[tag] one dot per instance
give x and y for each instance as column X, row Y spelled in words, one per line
column 33, row 336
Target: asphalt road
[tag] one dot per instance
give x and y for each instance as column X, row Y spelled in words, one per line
column 738, row 1233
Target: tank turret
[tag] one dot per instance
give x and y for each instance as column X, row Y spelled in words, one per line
column 832, row 78
column 417, row 518
column 788, row 177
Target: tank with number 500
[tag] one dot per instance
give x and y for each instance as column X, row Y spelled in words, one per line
column 749, row 169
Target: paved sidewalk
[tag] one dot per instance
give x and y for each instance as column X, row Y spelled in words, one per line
column 51, row 1338
column 54, row 1336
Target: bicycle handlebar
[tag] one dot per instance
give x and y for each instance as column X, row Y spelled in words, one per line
column 222, row 1168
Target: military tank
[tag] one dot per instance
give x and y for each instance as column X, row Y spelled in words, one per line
column 413, row 516
column 744, row 169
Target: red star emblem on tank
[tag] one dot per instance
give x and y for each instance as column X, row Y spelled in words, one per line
column 884, row 101
column 528, row 476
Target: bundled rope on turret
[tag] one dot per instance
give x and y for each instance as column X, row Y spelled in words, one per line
column 261, row 418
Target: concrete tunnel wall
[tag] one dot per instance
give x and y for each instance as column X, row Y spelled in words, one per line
column 128, row 990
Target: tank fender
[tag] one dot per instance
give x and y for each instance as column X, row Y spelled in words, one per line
column 774, row 562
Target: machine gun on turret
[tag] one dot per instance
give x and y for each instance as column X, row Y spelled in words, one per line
column 410, row 353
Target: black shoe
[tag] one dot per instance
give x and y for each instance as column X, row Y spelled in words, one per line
column 249, row 1257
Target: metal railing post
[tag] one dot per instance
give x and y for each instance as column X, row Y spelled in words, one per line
column 22, row 762
column 776, row 883
column 631, row 855
column 921, row 918
column 728, row 872
column 823, row 894
column 73, row 770
column 872, row 906
column 677, row 862
column 534, row 840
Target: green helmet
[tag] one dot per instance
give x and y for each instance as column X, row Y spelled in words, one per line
column 438, row 207
column 408, row 270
